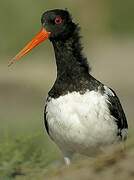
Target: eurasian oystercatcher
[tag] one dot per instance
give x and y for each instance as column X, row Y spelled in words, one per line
column 81, row 115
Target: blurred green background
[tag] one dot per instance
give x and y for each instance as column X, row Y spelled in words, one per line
column 107, row 27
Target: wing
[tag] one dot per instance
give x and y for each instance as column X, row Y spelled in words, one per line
column 117, row 112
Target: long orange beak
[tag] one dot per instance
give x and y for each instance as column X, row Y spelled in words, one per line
column 40, row 37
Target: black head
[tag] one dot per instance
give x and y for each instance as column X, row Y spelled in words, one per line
column 59, row 23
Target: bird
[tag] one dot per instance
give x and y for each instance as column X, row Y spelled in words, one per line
column 81, row 115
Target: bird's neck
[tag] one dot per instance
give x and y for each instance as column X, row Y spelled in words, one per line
column 69, row 58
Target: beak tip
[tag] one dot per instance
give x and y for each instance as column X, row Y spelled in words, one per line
column 40, row 37
column 10, row 62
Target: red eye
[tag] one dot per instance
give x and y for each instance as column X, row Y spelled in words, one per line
column 58, row 20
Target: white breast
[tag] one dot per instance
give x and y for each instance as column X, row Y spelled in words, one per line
column 80, row 122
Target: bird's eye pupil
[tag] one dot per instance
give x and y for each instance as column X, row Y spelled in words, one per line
column 58, row 20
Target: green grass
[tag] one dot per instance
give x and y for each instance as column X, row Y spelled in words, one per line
column 24, row 154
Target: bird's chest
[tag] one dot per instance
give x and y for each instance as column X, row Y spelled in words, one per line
column 76, row 119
